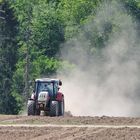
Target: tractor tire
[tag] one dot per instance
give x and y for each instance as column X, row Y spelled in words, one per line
column 61, row 108
column 31, row 107
column 54, row 108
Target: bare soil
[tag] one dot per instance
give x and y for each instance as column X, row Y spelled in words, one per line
column 68, row 133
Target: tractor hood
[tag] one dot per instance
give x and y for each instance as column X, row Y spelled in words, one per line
column 43, row 96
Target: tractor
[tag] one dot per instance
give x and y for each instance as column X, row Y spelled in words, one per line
column 46, row 97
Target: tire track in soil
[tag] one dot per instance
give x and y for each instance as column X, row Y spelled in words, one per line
column 53, row 133
column 68, row 128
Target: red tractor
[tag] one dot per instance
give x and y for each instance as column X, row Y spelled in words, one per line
column 46, row 97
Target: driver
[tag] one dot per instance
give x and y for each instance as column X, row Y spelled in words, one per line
column 47, row 88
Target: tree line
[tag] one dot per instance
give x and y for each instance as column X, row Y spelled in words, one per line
column 31, row 36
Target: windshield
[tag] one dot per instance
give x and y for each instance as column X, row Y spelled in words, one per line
column 44, row 86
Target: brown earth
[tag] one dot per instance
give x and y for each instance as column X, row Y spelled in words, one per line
column 69, row 133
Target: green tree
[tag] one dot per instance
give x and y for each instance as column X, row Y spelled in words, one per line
column 40, row 34
column 47, row 28
column 73, row 14
column 8, row 58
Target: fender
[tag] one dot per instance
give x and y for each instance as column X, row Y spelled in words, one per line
column 59, row 96
column 32, row 97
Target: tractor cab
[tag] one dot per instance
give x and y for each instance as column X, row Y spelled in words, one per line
column 49, row 85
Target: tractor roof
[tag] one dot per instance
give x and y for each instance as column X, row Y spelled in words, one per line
column 47, row 80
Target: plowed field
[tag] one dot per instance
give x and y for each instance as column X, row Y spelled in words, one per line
column 70, row 128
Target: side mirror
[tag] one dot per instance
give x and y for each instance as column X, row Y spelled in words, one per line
column 60, row 83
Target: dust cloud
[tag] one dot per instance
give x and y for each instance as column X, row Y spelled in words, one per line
column 106, row 82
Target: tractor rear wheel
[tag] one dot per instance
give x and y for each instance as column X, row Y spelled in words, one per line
column 61, row 108
column 31, row 107
column 54, row 108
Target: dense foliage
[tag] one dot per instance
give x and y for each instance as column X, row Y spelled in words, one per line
column 32, row 33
